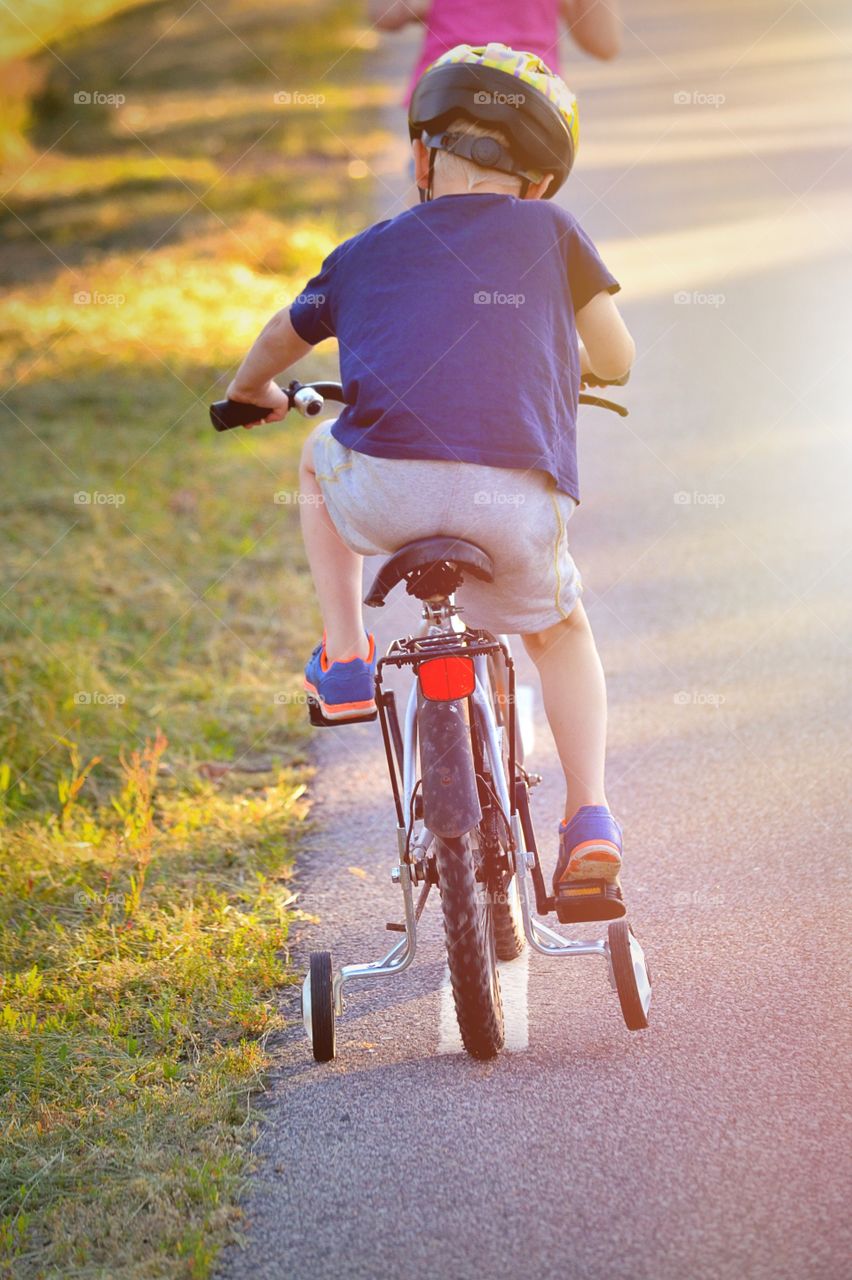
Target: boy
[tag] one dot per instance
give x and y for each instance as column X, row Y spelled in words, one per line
column 458, row 324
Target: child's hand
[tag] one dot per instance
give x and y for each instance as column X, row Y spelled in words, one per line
column 269, row 394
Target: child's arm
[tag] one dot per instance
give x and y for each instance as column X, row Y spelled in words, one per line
column 277, row 347
column 595, row 26
column 390, row 15
column 607, row 348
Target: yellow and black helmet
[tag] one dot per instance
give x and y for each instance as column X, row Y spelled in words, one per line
column 496, row 85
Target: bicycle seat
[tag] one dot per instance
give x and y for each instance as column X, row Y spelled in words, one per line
column 432, row 567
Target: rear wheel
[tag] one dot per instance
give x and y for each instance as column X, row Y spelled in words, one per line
column 471, row 949
column 509, row 936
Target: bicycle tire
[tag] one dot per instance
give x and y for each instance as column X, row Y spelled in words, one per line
column 323, row 1039
column 509, row 936
column 633, row 1011
column 471, row 950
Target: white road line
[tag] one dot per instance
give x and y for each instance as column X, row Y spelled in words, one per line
column 525, row 705
column 449, row 1039
column 514, row 982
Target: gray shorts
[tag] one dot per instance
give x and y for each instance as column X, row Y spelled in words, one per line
column 518, row 517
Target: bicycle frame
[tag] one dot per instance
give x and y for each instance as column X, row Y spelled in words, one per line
column 441, row 624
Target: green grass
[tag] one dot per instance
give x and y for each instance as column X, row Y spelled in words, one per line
column 154, row 613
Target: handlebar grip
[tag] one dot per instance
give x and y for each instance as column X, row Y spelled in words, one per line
column 307, row 401
column 225, row 414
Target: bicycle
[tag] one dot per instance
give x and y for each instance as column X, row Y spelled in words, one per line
column 461, row 794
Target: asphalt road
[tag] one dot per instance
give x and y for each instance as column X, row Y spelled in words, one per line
column 714, row 540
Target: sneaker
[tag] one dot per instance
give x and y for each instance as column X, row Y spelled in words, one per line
column 342, row 690
column 589, row 847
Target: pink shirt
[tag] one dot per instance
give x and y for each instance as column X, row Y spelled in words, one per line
column 530, row 26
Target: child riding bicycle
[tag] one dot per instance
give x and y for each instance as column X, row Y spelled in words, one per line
column 465, row 326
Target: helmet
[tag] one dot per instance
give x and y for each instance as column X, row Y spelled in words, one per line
column 516, row 92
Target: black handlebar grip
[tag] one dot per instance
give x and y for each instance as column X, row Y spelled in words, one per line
column 225, row 414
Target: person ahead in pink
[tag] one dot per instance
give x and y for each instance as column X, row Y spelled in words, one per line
column 531, row 25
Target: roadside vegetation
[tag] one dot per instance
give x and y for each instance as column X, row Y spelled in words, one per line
column 154, row 605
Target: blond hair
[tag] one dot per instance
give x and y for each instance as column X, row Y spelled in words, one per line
column 449, row 165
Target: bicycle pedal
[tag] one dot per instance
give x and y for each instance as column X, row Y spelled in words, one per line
column 319, row 721
column 584, row 901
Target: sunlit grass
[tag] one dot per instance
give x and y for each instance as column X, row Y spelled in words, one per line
column 154, row 589
column 142, row 942
column 194, row 303
column 26, row 27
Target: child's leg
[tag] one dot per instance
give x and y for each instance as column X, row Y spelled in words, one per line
column 574, row 690
column 337, row 571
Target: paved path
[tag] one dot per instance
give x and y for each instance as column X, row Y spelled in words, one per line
column 714, row 540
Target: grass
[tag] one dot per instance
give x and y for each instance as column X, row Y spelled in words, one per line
column 154, row 610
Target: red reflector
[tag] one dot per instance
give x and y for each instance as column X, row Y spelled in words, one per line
column 443, row 679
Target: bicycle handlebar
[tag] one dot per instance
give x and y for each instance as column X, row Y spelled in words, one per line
column 308, row 399
column 592, row 380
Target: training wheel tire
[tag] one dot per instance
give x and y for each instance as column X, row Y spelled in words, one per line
column 630, row 972
column 319, row 1016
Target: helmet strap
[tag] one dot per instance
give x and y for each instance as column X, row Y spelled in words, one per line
column 427, row 193
column 485, row 152
column 430, row 190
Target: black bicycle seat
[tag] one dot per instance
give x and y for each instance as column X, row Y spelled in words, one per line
column 432, row 567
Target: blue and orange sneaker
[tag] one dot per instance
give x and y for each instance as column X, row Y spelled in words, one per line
column 342, row 690
column 585, row 883
column 589, row 846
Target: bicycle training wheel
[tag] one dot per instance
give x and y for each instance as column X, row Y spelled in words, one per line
column 318, row 1006
column 630, row 971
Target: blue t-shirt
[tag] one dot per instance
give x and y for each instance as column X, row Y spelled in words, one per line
column 455, row 322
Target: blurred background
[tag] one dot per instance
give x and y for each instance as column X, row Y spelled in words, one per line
column 172, row 174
